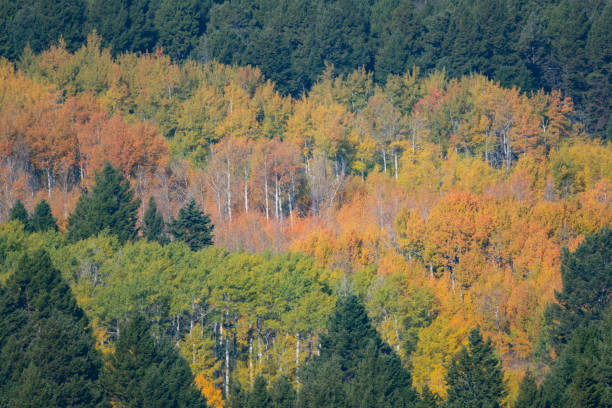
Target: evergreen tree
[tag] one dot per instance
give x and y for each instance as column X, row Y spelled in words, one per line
column 582, row 375
column 192, row 226
column 153, row 224
column 587, row 287
column 475, row 377
column 19, row 212
column 179, row 24
column 282, row 393
column 355, row 368
column 42, row 218
column 47, row 351
column 528, row 392
column 259, row 396
column 145, row 372
column 110, row 206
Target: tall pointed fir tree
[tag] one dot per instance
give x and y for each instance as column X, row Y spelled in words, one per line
column 110, row 206
column 153, row 224
column 587, row 288
column 42, row 219
column 475, row 378
column 355, row 368
column 192, row 226
column 148, row 372
column 18, row 212
column 47, row 351
column 528, row 392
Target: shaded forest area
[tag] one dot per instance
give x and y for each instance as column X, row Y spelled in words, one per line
column 533, row 45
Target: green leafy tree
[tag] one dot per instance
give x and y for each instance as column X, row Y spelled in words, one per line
column 587, row 288
column 192, row 226
column 19, row 213
column 153, row 224
column 47, row 351
column 110, row 206
column 475, row 377
column 42, row 218
column 145, row 372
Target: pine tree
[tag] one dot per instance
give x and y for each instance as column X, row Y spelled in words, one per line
column 192, row 227
column 42, row 218
column 110, row 206
column 259, row 396
column 528, row 392
column 47, row 351
column 282, row 393
column 153, row 224
column 19, row 212
column 475, row 377
column 587, row 288
column 355, row 368
column 145, row 372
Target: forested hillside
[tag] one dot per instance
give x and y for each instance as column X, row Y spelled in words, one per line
column 420, row 239
column 531, row 44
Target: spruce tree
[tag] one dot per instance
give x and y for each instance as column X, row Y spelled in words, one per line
column 587, row 288
column 145, row 372
column 19, row 213
column 192, row 226
column 282, row 393
column 259, row 396
column 42, row 218
column 354, row 366
column 475, row 378
column 528, row 392
column 110, row 206
column 153, row 224
column 47, row 350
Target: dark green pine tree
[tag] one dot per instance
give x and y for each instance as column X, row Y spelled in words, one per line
column 429, row 399
column 153, row 224
column 192, row 226
column 528, row 392
column 282, row 393
column 110, row 206
column 355, row 368
column 179, row 24
column 587, row 288
column 582, row 375
column 19, row 213
column 475, row 378
column 42, row 218
column 47, row 351
column 145, row 372
column 259, row 396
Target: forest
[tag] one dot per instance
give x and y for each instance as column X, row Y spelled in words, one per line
column 192, row 227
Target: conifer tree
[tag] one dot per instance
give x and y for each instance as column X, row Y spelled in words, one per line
column 587, row 288
column 528, row 392
column 19, row 212
column 145, row 372
column 110, row 206
column 259, row 396
column 282, row 393
column 354, row 366
column 42, row 218
column 475, row 377
column 47, row 351
column 192, row 226
column 153, row 224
